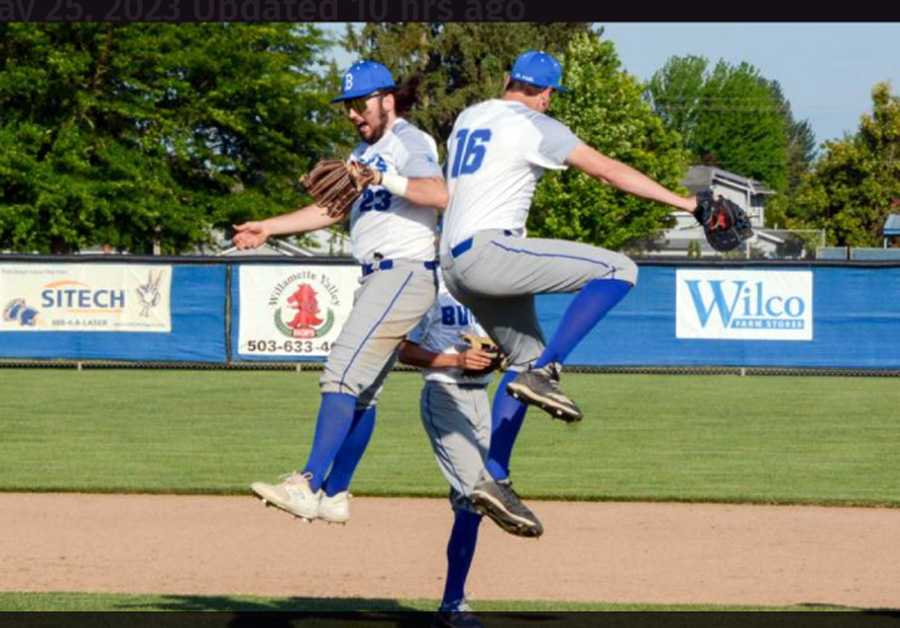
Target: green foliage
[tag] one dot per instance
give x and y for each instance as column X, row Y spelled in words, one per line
column 58, row 602
column 730, row 117
column 851, row 188
column 676, row 91
column 460, row 63
column 606, row 111
column 694, row 250
column 126, row 134
column 801, row 153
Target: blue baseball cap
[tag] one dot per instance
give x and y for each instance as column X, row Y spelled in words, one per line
column 362, row 78
column 538, row 68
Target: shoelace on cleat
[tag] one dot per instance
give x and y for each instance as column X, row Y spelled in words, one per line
column 516, row 502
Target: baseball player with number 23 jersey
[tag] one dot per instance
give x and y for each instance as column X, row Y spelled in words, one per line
column 497, row 152
column 392, row 230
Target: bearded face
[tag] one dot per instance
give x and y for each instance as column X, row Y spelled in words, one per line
column 369, row 115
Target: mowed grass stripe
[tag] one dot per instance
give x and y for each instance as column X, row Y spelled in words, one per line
column 819, row 440
column 99, row 602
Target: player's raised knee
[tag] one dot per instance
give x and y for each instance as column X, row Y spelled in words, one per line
column 626, row 270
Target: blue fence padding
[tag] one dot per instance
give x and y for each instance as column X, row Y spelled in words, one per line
column 235, row 329
column 856, row 324
column 198, row 329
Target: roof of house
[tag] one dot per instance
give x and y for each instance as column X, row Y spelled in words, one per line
column 701, row 177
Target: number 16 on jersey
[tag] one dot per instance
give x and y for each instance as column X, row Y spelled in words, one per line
column 470, row 150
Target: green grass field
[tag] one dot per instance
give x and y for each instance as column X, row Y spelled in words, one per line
column 120, row 602
column 822, row 440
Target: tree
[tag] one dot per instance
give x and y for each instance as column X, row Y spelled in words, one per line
column 606, row 111
column 141, row 133
column 460, row 63
column 730, row 116
column 801, row 153
column 851, row 188
column 676, row 92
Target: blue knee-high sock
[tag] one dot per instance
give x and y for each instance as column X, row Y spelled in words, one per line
column 332, row 425
column 460, row 551
column 594, row 300
column 351, row 452
column 507, row 415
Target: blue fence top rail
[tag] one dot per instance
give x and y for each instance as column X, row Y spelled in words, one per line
column 284, row 259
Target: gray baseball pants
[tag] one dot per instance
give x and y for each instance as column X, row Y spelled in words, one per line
column 386, row 307
column 497, row 276
column 457, row 419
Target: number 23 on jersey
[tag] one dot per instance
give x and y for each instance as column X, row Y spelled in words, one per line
column 379, row 200
column 471, row 147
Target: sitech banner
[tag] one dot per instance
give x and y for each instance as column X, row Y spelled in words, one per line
column 744, row 304
column 293, row 310
column 85, row 297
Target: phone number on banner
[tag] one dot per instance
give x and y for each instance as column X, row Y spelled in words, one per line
column 287, row 346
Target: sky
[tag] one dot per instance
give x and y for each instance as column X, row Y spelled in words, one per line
column 825, row 69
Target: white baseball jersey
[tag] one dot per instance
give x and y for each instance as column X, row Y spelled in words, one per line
column 439, row 332
column 381, row 223
column 496, row 154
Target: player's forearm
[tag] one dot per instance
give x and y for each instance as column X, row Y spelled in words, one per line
column 428, row 192
column 626, row 178
column 309, row 218
column 630, row 180
column 412, row 354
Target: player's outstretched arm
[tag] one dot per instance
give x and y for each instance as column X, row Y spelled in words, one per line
column 595, row 164
column 413, row 354
column 425, row 191
column 254, row 233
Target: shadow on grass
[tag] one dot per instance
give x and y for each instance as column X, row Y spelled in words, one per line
column 196, row 603
column 231, row 612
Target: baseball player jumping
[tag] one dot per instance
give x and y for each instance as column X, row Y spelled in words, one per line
column 456, row 414
column 497, row 152
column 392, row 230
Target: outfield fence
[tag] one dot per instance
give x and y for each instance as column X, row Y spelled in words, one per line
column 684, row 316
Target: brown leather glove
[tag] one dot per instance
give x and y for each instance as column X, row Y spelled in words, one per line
column 335, row 184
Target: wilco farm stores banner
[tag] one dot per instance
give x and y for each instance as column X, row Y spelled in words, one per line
column 744, row 304
column 85, row 298
column 293, row 311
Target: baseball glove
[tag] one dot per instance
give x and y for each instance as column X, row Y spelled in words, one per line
column 725, row 224
column 335, row 184
column 487, row 345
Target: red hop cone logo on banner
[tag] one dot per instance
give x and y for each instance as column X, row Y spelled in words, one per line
column 306, row 303
column 307, row 320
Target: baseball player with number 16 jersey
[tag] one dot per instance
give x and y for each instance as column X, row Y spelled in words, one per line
column 497, row 152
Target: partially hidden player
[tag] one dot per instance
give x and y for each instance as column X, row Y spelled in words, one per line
column 456, row 415
column 392, row 229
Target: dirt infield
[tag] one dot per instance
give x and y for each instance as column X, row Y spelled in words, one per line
column 394, row 548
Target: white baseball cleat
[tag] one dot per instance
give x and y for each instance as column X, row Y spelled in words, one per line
column 293, row 495
column 335, row 509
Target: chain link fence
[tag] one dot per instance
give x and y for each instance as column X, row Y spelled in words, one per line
column 303, row 367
